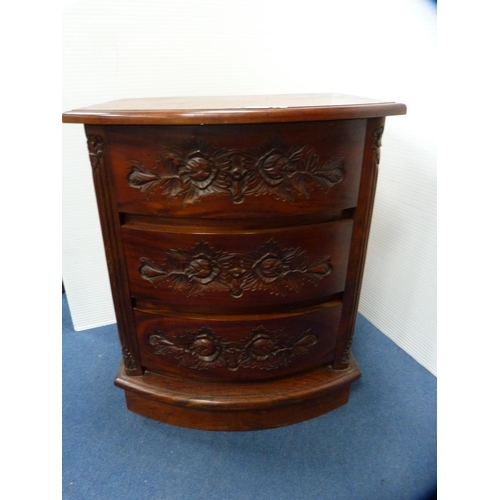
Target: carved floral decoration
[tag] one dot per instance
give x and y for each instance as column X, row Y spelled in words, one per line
column 283, row 172
column 128, row 359
column 346, row 354
column 202, row 269
column 377, row 144
column 262, row 349
column 95, row 145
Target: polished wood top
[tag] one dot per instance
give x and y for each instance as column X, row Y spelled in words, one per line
column 233, row 109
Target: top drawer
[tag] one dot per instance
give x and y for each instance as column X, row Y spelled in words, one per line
column 233, row 171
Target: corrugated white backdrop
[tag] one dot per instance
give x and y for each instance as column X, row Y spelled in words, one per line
column 121, row 48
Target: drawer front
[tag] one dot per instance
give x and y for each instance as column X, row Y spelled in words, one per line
column 204, row 270
column 238, row 348
column 223, row 171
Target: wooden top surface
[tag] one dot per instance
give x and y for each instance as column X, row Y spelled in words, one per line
column 233, row 109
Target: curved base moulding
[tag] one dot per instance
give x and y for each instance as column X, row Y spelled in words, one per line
column 237, row 407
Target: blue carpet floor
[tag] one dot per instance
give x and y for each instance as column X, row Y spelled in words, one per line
column 381, row 445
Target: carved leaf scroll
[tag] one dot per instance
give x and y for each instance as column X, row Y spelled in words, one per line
column 202, row 269
column 283, row 172
column 262, row 349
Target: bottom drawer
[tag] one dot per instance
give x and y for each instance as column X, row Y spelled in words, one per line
column 248, row 347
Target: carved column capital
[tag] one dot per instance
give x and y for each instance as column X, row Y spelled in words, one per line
column 95, row 144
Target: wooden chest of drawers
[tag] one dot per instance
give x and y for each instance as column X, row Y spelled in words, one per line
column 235, row 232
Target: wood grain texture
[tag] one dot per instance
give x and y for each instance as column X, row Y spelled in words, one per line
column 236, row 251
column 238, row 407
column 236, row 171
column 235, row 109
column 207, row 269
column 108, row 214
column 361, row 231
column 236, row 347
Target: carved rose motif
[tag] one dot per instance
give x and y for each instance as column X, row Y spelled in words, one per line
column 205, row 347
column 274, row 167
column 202, row 269
column 199, row 170
column 270, row 267
column 282, row 172
column 262, row 349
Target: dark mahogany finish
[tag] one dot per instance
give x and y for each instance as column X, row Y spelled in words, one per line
column 236, row 231
column 234, row 171
column 238, row 347
column 207, row 269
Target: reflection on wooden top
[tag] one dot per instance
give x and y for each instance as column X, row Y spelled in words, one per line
column 233, row 109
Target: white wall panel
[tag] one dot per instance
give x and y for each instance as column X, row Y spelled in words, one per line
column 116, row 49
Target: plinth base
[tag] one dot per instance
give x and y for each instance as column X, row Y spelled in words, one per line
column 237, row 407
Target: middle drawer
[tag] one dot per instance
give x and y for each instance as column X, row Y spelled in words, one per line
column 205, row 268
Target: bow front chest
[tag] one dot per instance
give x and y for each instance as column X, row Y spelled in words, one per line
column 235, row 231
